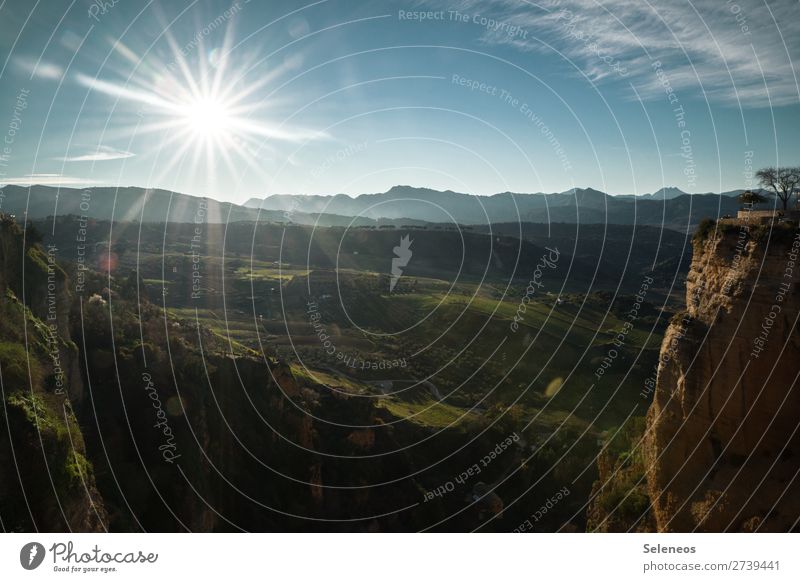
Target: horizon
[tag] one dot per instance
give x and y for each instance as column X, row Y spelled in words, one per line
column 354, row 196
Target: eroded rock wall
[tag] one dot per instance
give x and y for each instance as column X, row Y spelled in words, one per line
column 722, row 446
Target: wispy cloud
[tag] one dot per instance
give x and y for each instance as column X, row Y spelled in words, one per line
column 737, row 51
column 101, row 154
column 37, row 68
column 47, row 180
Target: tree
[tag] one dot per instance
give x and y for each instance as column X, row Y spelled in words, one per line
column 750, row 197
column 781, row 181
column 32, row 235
column 133, row 288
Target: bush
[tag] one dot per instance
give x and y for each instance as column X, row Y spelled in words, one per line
column 706, row 227
column 14, row 363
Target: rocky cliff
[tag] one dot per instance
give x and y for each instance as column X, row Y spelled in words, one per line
column 722, row 445
column 47, row 483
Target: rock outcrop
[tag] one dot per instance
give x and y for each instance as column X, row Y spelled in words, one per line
column 47, row 482
column 722, row 445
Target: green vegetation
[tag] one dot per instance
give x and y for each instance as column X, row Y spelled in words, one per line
column 777, row 231
column 428, row 413
column 622, row 499
column 61, row 436
column 14, row 363
column 329, row 379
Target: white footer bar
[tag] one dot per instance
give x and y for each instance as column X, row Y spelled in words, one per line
column 401, row 557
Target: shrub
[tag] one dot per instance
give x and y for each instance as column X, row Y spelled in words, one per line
column 706, row 227
column 14, row 363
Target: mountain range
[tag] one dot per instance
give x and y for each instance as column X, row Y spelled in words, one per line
column 669, row 207
column 401, row 205
column 670, row 192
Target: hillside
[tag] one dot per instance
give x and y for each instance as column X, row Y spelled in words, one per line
column 120, row 417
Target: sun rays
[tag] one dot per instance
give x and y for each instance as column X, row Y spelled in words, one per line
column 206, row 114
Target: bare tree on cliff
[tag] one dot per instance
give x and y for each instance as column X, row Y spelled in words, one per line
column 781, row 181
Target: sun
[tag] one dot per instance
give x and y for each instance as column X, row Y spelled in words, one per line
column 207, row 109
column 207, row 117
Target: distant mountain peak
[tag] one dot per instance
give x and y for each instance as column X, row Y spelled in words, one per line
column 402, row 189
column 589, row 191
column 667, row 193
column 254, row 202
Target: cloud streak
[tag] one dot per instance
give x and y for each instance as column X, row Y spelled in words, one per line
column 37, row 68
column 102, row 154
column 728, row 51
column 46, row 180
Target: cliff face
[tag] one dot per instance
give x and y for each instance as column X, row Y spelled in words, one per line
column 722, row 446
column 47, row 483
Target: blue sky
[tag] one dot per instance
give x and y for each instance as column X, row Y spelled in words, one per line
column 242, row 99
